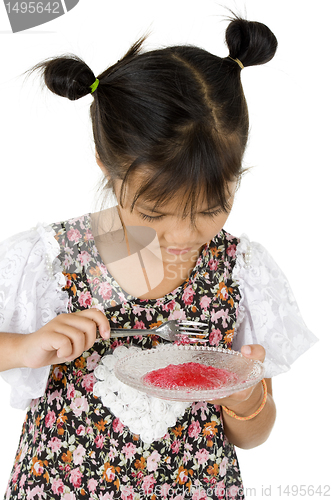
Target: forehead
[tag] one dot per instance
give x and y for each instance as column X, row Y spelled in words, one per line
column 180, row 200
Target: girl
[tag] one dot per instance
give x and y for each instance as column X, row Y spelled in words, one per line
column 170, row 129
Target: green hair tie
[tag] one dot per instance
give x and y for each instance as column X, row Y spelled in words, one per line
column 94, row 85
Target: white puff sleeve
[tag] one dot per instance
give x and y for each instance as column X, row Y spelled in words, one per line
column 268, row 313
column 30, row 296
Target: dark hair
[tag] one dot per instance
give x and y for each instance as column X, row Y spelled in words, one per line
column 177, row 114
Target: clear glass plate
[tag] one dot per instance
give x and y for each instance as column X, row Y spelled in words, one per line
column 131, row 370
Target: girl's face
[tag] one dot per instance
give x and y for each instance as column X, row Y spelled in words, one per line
column 179, row 241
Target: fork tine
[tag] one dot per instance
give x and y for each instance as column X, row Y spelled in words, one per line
column 198, row 335
column 190, row 329
column 189, row 322
column 191, row 332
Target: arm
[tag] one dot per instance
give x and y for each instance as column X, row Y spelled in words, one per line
column 62, row 339
column 249, row 433
column 10, row 351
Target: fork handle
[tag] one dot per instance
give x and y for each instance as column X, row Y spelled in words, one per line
column 123, row 332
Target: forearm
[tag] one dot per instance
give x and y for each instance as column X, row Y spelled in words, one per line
column 248, row 434
column 11, row 346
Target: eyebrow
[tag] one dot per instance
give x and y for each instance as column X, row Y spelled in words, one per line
column 156, row 211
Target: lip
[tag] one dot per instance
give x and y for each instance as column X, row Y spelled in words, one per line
column 178, row 251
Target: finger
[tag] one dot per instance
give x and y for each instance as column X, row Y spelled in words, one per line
column 99, row 318
column 60, row 343
column 69, row 342
column 253, row 351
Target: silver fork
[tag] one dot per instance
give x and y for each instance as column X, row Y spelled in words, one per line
column 171, row 330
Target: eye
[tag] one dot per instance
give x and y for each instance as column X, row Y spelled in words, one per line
column 212, row 214
column 149, row 217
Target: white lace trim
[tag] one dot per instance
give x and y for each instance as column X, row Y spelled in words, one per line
column 144, row 415
column 268, row 313
column 30, row 296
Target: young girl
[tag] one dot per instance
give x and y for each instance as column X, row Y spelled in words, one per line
column 170, row 129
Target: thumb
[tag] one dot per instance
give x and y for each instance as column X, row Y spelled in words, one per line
column 253, row 351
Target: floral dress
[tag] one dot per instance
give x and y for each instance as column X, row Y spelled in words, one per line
column 73, row 447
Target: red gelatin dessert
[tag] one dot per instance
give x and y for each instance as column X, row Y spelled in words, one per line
column 190, row 376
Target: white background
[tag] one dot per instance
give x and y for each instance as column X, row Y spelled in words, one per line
column 48, row 173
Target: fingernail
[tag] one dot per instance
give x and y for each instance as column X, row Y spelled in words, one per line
column 106, row 334
column 246, row 349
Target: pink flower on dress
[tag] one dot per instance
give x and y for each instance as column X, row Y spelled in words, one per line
column 54, row 444
column 194, row 429
column 76, row 477
column 164, row 489
column 78, row 455
column 152, row 461
column 74, row 235
column 199, row 495
column 148, row 484
column 202, row 456
column 99, row 441
column 85, row 299
column 70, row 391
column 205, row 302
column 88, row 235
column 113, row 453
column 84, row 258
column 105, row 289
column 58, row 486
column 231, row 250
column 92, row 361
column 221, row 313
column 177, row 314
column 127, row 493
column 137, row 310
column 92, row 485
column 80, row 431
column 175, row 446
column 213, row 264
column 139, row 325
column 68, row 496
column 16, row 473
column 169, row 307
column 117, row 425
column 220, row 489
column 50, row 419
column 88, row 382
column 22, row 481
column 223, row 467
column 232, row 492
column 37, row 490
column 188, row 295
column 107, row 496
column 129, row 450
column 79, row 405
column 215, row 337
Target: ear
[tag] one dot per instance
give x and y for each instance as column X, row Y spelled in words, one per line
column 102, row 167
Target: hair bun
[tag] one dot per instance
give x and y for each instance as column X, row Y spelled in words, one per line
column 67, row 76
column 251, row 42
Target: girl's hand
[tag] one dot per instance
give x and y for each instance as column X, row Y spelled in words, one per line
column 64, row 338
column 243, row 402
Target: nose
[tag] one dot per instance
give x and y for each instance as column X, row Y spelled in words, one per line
column 181, row 234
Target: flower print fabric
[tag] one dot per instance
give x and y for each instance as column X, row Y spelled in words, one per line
column 73, row 447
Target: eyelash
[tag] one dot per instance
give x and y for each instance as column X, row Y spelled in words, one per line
column 158, row 217
column 149, row 218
